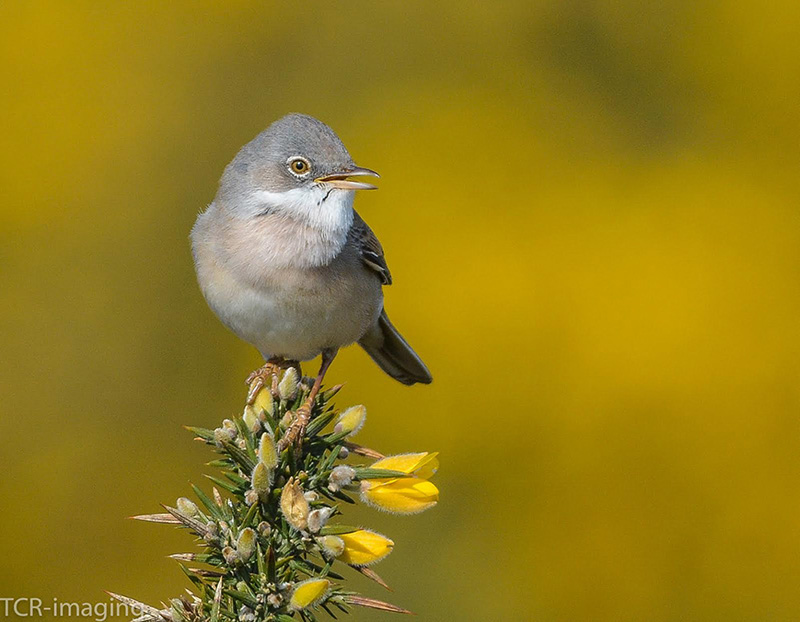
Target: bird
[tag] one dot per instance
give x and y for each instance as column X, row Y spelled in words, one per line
column 287, row 264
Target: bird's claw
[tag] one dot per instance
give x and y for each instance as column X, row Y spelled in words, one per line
column 297, row 430
column 266, row 375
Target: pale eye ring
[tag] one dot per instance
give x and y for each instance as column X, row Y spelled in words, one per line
column 298, row 166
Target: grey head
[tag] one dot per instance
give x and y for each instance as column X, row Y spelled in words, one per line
column 297, row 154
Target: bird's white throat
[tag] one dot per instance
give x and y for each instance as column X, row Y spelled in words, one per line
column 313, row 226
column 326, row 209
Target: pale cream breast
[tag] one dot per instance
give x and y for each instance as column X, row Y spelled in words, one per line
column 286, row 288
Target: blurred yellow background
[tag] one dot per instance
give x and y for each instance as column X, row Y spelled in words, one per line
column 590, row 209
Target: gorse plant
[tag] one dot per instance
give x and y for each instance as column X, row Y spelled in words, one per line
column 271, row 547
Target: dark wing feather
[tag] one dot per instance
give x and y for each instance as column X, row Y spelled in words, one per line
column 370, row 249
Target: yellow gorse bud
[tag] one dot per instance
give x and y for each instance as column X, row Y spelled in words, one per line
column 187, row 507
column 262, row 480
column 250, row 417
column 308, row 592
column 263, row 401
column 351, row 420
column 332, row 546
column 267, row 453
column 246, row 544
column 287, row 387
column 364, row 547
column 294, row 505
column 403, row 495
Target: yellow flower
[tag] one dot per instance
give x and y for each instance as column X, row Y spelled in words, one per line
column 308, row 592
column 364, row 547
column 422, row 465
column 403, row 495
column 351, row 420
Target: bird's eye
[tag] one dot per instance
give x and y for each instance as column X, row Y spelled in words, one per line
column 299, row 166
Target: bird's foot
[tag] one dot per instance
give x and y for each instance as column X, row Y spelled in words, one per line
column 268, row 376
column 297, row 430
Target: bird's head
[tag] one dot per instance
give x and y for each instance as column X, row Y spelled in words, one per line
column 297, row 167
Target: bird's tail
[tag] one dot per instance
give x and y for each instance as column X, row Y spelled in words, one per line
column 393, row 354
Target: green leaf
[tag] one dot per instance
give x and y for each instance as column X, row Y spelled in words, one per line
column 271, row 564
column 249, row 518
column 237, row 479
column 217, row 602
column 204, row 433
column 260, row 560
column 368, row 473
column 338, row 494
column 330, row 459
column 212, row 507
column 320, row 422
column 192, row 577
column 335, row 530
column 222, row 463
column 240, row 457
column 245, row 599
column 223, row 484
column 335, row 437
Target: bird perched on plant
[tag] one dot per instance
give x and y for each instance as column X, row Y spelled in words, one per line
column 289, row 266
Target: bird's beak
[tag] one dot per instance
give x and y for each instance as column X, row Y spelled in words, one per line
column 339, row 180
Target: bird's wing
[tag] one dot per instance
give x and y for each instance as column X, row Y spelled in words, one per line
column 370, row 249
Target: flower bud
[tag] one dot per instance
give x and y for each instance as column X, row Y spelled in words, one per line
column 262, row 480
column 364, row 547
column 311, row 496
column 308, row 593
column 250, row 417
column 351, row 420
column 317, row 518
column 287, row 387
column 224, row 435
column 332, row 546
column 294, row 505
column 246, row 544
column 231, row 557
column 264, row 528
column 275, row 600
column 217, row 496
column 267, row 452
column 187, row 507
column 246, row 614
column 212, row 532
column 250, row 497
column 263, row 402
column 340, row 477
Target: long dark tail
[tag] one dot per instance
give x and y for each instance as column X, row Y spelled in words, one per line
column 393, row 354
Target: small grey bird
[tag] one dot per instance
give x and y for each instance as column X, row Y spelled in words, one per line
column 288, row 265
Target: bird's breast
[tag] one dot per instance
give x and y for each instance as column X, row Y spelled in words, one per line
column 285, row 307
